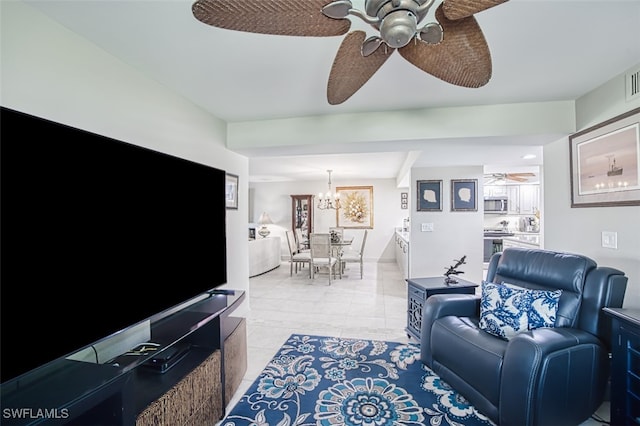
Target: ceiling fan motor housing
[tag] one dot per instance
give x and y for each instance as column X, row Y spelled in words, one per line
column 382, row 8
column 398, row 19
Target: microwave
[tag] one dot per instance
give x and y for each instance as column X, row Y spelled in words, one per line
column 495, row 205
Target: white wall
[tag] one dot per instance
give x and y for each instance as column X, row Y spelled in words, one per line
column 579, row 229
column 275, row 199
column 50, row 72
column 331, row 133
column 455, row 234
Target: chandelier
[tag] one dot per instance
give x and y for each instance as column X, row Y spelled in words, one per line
column 326, row 201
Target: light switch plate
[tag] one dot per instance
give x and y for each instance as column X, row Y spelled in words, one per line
column 609, row 239
column 427, row 227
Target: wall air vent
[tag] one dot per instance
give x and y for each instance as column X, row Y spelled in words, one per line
column 632, row 84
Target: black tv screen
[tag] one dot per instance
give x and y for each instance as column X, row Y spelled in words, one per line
column 96, row 235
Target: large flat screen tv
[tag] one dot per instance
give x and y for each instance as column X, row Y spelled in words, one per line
column 96, row 235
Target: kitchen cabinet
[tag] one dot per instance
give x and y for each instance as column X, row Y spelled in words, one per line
column 402, row 252
column 523, row 199
column 495, row 190
column 529, row 198
column 513, row 199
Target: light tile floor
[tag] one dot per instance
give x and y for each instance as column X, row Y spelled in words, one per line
column 370, row 308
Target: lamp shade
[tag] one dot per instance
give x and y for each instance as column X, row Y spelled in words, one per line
column 265, row 219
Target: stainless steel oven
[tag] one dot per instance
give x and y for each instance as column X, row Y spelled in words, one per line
column 493, row 242
column 495, row 204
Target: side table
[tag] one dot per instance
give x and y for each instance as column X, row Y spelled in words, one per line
column 625, row 366
column 419, row 289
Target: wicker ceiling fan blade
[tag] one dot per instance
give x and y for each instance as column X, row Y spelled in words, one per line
column 503, row 177
column 459, row 9
column 277, row 17
column 462, row 58
column 350, row 70
column 519, row 177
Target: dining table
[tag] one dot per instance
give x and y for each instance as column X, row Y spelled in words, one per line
column 337, row 247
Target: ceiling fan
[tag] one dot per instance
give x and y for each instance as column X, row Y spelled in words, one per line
column 503, row 177
column 452, row 49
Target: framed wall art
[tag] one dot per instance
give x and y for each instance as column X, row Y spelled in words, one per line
column 231, row 191
column 356, row 207
column 429, row 196
column 464, row 195
column 605, row 163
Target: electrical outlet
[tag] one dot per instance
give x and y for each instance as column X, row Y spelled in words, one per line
column 609, row 239
column 427, row 227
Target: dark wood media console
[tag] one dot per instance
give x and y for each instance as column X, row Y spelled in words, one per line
column 193, row 391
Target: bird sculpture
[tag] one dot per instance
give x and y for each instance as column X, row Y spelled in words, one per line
column 451, row 270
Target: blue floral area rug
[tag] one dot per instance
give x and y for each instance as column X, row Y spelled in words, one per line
column 315, row 380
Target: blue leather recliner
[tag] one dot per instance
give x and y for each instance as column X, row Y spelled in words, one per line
column 547, row 376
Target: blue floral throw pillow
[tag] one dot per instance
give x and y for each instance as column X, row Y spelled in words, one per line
column 544, row 306
column 506, row 310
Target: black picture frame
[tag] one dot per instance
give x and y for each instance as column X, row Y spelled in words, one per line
column 429, row 196
column 464, row 195
column 231, row 191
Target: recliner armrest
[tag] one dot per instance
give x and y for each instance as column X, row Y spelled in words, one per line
column 442, row 305
column 536, row 370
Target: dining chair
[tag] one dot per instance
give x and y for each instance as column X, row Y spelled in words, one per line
column 296, row 257
column 354, row 256
column 321, row 255
column 301, row 241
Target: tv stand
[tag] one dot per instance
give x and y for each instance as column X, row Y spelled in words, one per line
column 194, row 390
column 163, row 362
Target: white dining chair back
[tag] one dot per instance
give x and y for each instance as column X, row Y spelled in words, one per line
column 301, row 241
column 297, row 258
column 321, row 255
column 355, row 255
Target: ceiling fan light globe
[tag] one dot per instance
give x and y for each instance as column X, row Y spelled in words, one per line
column 337, row 9
column 432, row 33
column 398, row 28
column 370, row 45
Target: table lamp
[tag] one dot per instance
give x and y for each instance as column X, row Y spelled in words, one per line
column 264, row 220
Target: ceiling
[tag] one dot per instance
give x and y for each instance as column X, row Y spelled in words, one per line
column 542, row 50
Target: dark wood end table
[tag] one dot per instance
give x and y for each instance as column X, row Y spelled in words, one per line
column 419, row 289
column 625, row 366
